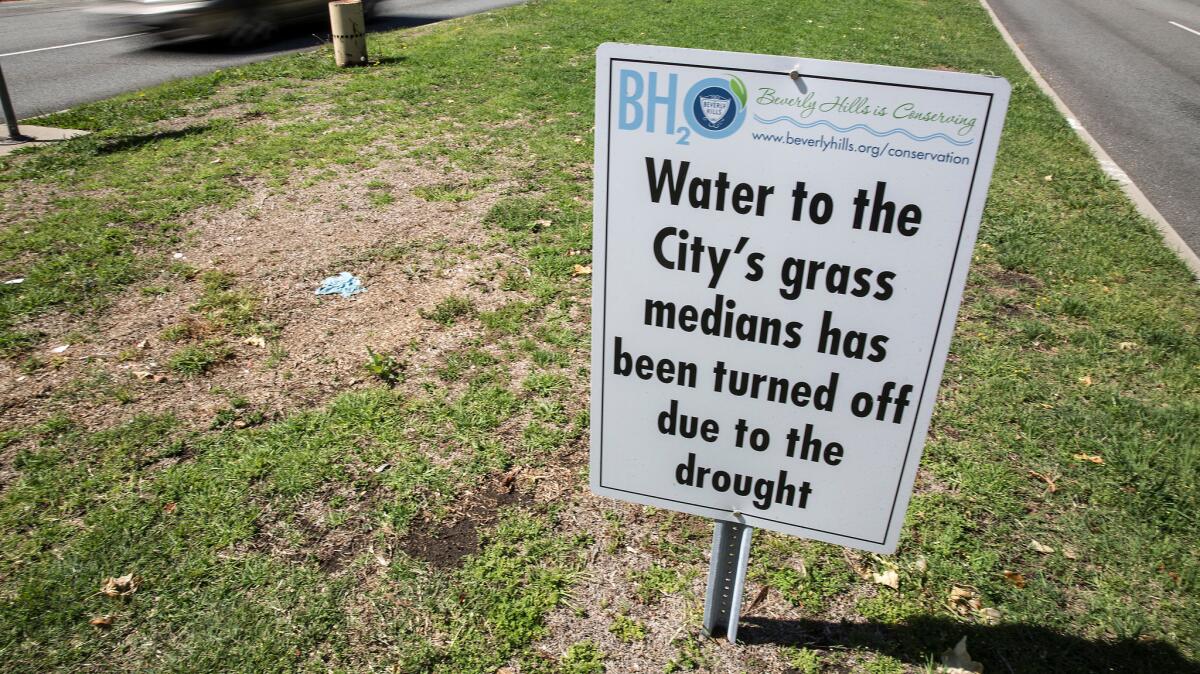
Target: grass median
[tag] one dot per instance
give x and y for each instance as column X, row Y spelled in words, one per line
column 434, row 516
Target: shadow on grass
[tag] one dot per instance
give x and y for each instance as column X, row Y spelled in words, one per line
column 1005, row 648
column 111, row 144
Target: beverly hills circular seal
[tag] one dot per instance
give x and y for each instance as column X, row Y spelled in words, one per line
column 715, row 107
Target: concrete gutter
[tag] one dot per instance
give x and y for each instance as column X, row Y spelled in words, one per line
column 1170, row 237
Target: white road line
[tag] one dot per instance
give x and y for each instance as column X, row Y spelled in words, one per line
column 73, row 44
column 1180, row 25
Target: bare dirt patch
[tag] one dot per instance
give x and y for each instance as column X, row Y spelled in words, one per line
column 1008, row 278
column 235, row 111
column 443, row 545
column 629, row 540
column 278, row 245
column 24, row 200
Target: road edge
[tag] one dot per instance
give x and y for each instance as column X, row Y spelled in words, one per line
column 1170, row 237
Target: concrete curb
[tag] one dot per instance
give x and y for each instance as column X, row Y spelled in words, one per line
column 1170, row 237
column 38, row 134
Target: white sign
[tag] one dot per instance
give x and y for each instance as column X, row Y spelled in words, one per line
column 780, row 248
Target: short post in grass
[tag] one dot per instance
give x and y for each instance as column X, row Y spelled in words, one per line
column 349, row 30
column 726, row 579
column 10, row 117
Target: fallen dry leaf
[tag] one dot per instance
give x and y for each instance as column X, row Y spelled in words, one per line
column 170, row 508
column 1088, row 457
column 921, row 565
column 120, row 587
column 1070, row 553
column 101, row 621
column 889, row 578
column 1048, row 178
column 256, row 340
column 964, row 600
column 959, row 593
column 1050, row 481
column 144, row 344
column 990, row 616
column 509, row 479
column 862, row 571
column 60, row 349
column 143, row 374
column 1127, row 346
column 1015, row 578
column 1039, row 547
column 581, row 270
column 1086, row 380
column 758, row 598
column 958, row 661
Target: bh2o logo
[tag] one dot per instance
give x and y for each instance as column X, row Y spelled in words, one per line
column 713, row 107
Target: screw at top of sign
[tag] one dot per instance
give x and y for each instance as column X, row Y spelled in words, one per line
column 796, row 77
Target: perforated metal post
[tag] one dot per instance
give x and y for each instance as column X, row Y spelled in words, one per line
column 726, row 579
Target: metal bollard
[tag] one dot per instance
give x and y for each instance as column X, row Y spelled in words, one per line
column 10, row 117
column 349, row 32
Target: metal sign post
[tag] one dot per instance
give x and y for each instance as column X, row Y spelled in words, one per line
column 10, row 117
column 726, row 579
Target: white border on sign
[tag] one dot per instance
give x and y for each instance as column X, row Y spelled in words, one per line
column 995, row 88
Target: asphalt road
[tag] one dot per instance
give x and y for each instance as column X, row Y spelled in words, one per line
column 1130, row 71
column 47, row 70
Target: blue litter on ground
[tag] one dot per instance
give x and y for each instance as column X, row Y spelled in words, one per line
column 344, row 284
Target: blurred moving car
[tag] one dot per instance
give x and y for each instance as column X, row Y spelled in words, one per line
column 238, row 22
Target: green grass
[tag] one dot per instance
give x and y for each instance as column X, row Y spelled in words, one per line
column 384, row 367
column 197, row 359
column 178, row 332
column 510, row 319
column 1078, row 335
column 445, row 192
column 804, row 660
column 627, row 629
column 213, row 591
column 492, row 606
column 583, row 658
column 651, row 584
column 230, row 309
column 450, row 310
